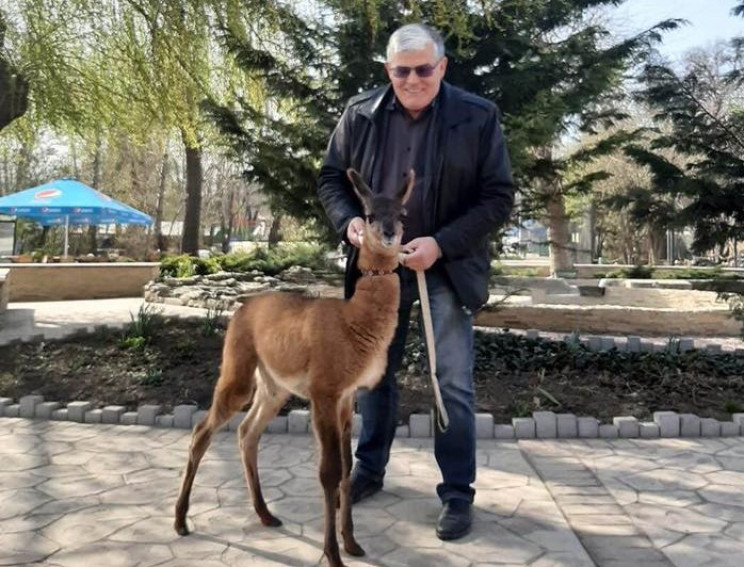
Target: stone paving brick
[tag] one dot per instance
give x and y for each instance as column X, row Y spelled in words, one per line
column 76, row 411
column 503, row 431
column 402, row 432
column 689, row 425
column 686, row 344
column 483, row 426
column 420, row 425
column 199, row 415
column 728, row 429
column 14, row 410
column 634, row 344
column 588, row 427
column 524, row 427
column 182, row 415
column 60, row 415
column 668, row 423
column 164, row 421
column 28, row 405
column 112, row 414
column 277, row 425
column 567, row 426
column 710, row 427
column 608, row 431
column 146, row 414
column 3, row 403
column 93, row 416
column 649, row 430
column 128, row 418
column 298, row 421
column 627, row 427
column 546, row 425
column 44, row 410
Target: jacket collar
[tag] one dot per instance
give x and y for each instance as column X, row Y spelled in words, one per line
column 452, row 109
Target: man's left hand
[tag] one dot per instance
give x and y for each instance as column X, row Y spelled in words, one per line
column 421, row 253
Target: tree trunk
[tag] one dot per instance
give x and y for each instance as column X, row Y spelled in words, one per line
column 227, row 223
column 191, row 221
column 275, row 232
column 93, row 229
column 558, row 236
column 159, row 241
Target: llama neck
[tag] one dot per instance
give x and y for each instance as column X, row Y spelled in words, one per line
column 372, row 261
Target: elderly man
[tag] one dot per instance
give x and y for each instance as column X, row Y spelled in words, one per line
column 463, row 192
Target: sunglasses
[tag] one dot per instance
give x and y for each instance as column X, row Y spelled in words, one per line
column 423, row 71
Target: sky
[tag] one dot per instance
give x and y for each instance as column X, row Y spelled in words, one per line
column 710, row 21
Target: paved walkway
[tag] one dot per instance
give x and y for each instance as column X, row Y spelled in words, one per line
column 85, row 495
column 77, row 495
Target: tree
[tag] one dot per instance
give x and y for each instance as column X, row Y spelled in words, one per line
column 549, row 72
column 13, row 85
column 702, row 106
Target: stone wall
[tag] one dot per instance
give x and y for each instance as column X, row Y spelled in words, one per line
column 4, row 289
column 715, row 322
column 57, row 282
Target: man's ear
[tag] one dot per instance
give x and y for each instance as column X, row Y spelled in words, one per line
column 361, row 189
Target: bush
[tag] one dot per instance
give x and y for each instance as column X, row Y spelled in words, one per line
column 635, row 273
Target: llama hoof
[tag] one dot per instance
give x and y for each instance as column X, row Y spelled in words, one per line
column 271, row 522
column 181, row 529
column 354, row 549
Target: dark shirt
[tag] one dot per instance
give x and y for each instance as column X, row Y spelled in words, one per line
column 403, row 147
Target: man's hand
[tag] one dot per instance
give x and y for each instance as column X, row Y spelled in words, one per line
column 354, row 231
column 421, row 253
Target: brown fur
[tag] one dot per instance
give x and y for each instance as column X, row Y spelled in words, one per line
column 321, row 349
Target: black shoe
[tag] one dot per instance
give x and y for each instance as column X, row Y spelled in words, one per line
column 363, row 487
column 455, row 519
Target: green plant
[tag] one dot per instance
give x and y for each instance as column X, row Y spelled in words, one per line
column 182, row 266
column 635, row 273
column 212, row 320
column 133, row 343
column 144, row 325
column 153, row 377
column 733, row 407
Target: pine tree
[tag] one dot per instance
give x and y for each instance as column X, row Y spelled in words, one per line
column 709, row 131
column 548, row 71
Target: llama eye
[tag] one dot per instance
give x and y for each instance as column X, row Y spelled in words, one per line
column 371, row 218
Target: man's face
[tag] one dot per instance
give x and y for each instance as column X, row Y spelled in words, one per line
column 415, row 92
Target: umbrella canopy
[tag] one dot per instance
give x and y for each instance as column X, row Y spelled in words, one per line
column 69, row 202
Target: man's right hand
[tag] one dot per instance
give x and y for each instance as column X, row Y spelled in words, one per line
column 354, row 231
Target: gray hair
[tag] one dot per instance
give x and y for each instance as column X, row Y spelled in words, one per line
column 413, row 37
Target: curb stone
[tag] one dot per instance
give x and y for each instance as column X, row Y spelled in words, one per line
column 542, row 425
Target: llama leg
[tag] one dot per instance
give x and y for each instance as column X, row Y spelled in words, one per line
column 233, row 390
column 265, row 407
column 221, row 411
column 326, row 424
column 347, row 525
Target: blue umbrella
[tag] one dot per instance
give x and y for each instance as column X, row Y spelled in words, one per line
column 69, row 202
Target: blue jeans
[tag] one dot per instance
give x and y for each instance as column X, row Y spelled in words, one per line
column 453, row 337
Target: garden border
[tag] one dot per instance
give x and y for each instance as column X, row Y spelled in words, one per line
column 542, row 424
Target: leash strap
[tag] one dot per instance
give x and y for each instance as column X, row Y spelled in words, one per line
column 440, row 412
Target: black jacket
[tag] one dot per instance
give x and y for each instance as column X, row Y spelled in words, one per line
column 472, row 191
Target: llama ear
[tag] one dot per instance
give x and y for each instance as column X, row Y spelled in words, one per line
column 405, row 191
column 361, row 189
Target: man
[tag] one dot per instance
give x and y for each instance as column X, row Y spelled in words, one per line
column 463, row 192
